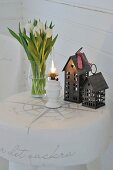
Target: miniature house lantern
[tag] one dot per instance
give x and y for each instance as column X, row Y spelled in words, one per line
column 94, row 91
column 76, row 71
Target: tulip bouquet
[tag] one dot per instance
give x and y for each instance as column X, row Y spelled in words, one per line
column 37, row 40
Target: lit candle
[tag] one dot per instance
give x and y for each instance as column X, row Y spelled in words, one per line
column 53, row 73
column 53, row 89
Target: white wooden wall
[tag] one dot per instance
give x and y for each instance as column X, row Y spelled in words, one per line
column 10, row 14
column 83, row 23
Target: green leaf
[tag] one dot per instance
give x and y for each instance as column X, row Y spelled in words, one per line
column 45, row 24
column 32, row 37
column 51, row 25
column 24, row 31
column 42, row 48
column 26, row 37
column 19, row 28
column 14, row 35
column 36, row 59
column 38, row 40
column 32, row 47
column 54, row 40
column 25, row 46
column 49, row 48
column 34, row 51
column 48, row 43
column 35, row 22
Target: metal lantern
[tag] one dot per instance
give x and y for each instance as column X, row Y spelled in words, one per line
column 76, row 71
column 93, row 92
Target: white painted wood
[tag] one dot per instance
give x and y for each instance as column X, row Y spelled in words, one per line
column 102, row 7
column 35, row 135
column 93, row 30
column 4, row 164
column 95, row 165
column 17, row 166
column 11, row 72
column 10, row 15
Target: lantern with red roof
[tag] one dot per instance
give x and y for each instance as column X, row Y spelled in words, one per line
column 76, row 72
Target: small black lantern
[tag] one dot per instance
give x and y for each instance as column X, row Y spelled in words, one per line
column 93, row 92
column 76, row 72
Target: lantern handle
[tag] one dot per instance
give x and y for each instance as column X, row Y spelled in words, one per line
column 95, row 68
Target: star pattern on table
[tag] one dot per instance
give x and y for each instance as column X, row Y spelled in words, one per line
column 37, row 109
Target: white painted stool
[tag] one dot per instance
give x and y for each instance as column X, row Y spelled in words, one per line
column 35, row 137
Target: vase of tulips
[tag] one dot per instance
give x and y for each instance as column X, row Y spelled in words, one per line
column 37, row 40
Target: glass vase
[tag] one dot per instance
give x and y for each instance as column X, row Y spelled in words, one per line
column 38, row 79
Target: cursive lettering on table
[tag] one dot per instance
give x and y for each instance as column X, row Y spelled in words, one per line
column 20, row 152
column 17, row 152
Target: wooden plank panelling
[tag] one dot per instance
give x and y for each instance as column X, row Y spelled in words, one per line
column 10, row 14
column 90, row 27
column 87, row 5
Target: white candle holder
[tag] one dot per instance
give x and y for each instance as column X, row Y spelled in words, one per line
column 53, row 89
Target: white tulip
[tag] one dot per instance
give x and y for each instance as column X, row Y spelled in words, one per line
column 29, row 27
column 41, row 26
column 36, row 30
column 48, row 32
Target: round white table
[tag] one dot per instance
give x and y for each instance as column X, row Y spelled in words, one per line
column 35, row 137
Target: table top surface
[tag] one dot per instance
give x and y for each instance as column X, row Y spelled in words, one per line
column 69, row 135
column 23, row 111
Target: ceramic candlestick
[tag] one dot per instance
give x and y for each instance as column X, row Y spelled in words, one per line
column 53, row 93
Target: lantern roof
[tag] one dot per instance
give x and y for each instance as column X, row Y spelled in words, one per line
column 97, row 82
column 86, row 65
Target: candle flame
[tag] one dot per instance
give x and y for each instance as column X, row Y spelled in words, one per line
column 53, row 69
